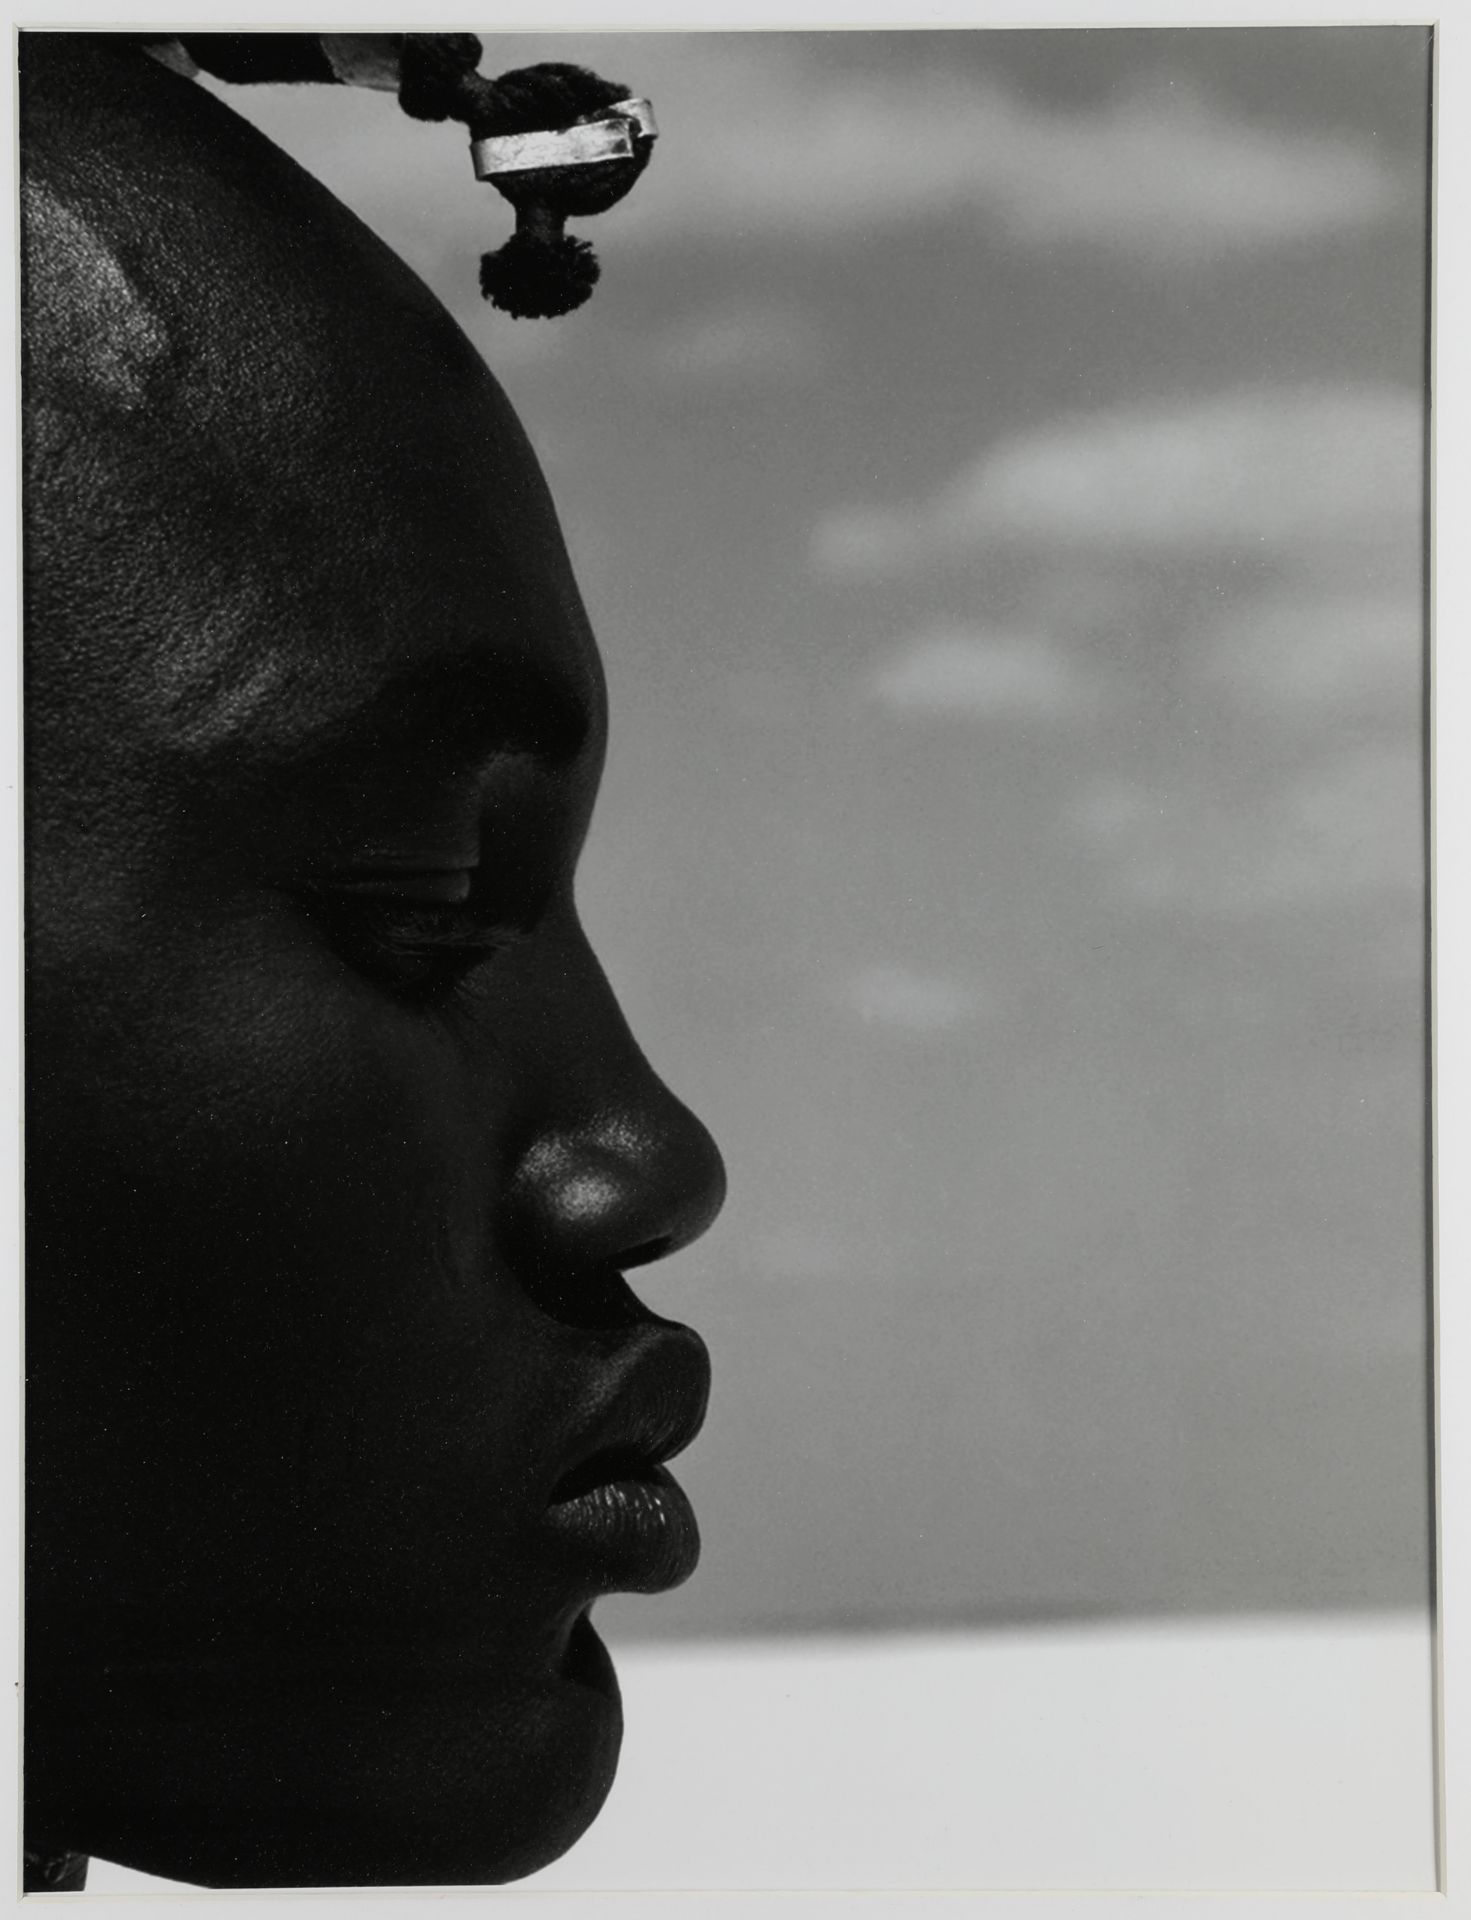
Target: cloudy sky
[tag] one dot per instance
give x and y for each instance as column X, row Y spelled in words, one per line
column 993, row 464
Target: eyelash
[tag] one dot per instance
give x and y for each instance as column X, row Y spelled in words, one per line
column 417, row 948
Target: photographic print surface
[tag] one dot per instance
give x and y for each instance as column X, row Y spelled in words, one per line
column 994, row 465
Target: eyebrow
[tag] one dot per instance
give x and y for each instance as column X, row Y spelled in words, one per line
column 462, row 709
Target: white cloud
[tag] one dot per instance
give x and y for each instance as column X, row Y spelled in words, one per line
column 1304, row 656
column 771, row 140
column 1257, row 470
column 979, row 675
column 1165, row 174
column 905, row 1000
column 1349, row 828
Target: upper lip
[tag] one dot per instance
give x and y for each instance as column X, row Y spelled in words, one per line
column 651, row 1404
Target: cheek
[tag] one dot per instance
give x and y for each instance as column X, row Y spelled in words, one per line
column 271, row 1239
column 268, row 1103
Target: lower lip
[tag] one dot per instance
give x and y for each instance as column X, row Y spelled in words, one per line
column 636, row 1535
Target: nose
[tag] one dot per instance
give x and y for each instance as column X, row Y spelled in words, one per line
column 615, row 1171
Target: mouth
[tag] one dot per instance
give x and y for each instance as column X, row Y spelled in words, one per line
column 637, row 1531
column 616, row 1510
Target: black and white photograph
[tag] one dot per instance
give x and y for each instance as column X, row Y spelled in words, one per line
column 727, row 898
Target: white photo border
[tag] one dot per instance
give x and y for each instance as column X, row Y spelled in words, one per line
column 1451, row 773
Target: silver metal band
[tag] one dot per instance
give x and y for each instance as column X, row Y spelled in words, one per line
column 609, row 138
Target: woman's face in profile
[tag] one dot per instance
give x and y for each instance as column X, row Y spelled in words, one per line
column 341, row 1413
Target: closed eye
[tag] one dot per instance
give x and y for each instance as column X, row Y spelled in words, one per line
column 416, row 934
column 427, row 886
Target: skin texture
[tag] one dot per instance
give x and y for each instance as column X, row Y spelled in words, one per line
column 337, row 1141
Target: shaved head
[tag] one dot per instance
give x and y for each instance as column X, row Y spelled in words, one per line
column 207, row 332
column 95, row 344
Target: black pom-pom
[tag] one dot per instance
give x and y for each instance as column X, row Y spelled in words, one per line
column 535, row 278
column 550, row 95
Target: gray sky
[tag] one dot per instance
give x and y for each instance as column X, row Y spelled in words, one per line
column 993, row 465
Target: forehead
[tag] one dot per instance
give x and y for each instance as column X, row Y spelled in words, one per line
column 399, row 577
column 367, row 524
column 326, row 515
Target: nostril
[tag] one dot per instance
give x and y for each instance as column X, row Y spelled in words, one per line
column 649, row 1251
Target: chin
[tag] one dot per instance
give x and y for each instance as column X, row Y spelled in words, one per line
column 447, row 1784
